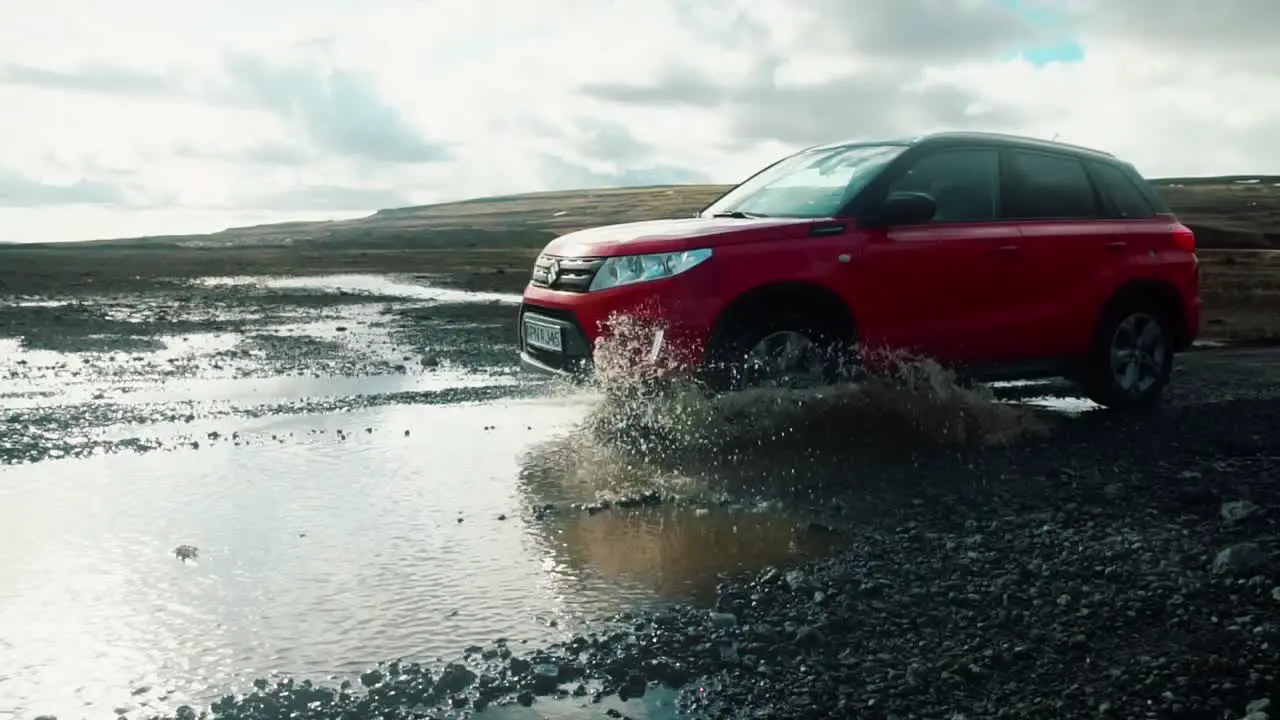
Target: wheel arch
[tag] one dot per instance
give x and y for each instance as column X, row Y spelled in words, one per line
column 1164, row 294
column 785, row 295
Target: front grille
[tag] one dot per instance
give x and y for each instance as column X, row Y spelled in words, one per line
column 572, row 274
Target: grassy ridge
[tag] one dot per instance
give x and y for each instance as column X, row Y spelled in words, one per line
column 1226, row 212
column 489, row 244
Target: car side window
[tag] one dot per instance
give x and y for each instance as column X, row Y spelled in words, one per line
column 1048, row 187
column 965, row 184
column 1120, row 197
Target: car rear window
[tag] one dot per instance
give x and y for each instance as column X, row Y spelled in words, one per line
column 1120, row 195
column 1154, row 199
column 1046, row 187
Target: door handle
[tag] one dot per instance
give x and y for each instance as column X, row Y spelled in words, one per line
column 1007, row 249
column 1116, row 245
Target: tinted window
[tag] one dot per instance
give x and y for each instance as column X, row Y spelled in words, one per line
column 1153, row 198
column 1048, row 186
column 1120, row 197
column 964, row 183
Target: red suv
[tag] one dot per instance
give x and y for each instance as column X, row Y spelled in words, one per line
column 1003, row 256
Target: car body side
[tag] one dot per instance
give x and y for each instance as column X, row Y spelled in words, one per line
column 1010, row 296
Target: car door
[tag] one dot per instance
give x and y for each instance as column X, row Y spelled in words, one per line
column 1067, row 242
column 938, row 287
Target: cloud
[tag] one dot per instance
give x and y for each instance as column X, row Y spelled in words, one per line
column 1235, row 31
column 886, row 102
column 612, row 141
column 922, row 31
column 339, row 110
column 264, row 153
column 327, row 198
column 331, row 104
column 19, row 191
column 562, row 174
column 106, row 79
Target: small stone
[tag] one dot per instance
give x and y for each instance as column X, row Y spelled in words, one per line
column 808, row 637
column 1238, row 510
column 634, row 687
column 723, row 619
column 546, row 678
column 1261, row 705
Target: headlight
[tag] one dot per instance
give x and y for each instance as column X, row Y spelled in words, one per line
column 628, row 269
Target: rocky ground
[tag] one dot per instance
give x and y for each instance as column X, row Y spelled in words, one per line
column 1107, row 566
column 1117, row 567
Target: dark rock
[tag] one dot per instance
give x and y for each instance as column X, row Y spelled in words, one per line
column 454, row 679
column 370, row 679
column 1239, row 559
column 545, row 678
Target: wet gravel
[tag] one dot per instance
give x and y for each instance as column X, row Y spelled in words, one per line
column 1120, row 568
column 114, row 343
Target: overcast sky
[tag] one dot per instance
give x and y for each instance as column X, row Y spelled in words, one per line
column 152, row 116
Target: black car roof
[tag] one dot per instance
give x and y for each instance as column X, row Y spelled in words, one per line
column 987, row 138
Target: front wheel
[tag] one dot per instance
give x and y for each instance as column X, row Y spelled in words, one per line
column 788, row 350
column 1131, row 359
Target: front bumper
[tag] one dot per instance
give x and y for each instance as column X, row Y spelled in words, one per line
column 647, row 328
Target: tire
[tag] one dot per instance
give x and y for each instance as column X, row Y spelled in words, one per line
column 1139, row 335
column 736, row 362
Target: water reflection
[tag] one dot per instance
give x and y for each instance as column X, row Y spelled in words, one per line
column 404, row 535
column 680, row 553
column 678, row 549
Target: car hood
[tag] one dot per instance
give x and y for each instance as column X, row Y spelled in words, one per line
column 674, row 235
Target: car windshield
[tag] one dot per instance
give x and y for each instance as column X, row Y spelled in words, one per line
column 810, row 184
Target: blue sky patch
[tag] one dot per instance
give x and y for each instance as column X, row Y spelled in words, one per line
column 1063, row 49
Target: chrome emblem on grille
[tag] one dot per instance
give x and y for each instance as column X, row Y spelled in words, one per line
column 553, row 272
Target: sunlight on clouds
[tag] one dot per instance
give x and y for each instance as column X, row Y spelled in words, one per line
column 205, row 111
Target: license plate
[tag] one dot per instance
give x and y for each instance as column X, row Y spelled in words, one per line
column 546, row 337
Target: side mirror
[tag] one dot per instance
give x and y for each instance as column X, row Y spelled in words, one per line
column 907, row 208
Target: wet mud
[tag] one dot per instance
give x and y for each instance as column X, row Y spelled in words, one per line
column 384, row 518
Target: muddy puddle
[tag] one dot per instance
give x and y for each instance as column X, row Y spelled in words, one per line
column 356, row 537
column 365, row 477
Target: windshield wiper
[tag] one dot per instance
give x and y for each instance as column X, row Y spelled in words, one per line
column 738, row 214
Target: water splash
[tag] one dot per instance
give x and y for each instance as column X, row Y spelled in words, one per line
column 910, row 401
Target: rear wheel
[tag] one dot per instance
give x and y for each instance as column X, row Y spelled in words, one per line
column 791, row 349
column 1131, row 359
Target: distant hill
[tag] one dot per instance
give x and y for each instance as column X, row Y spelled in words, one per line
column 1238, row 211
